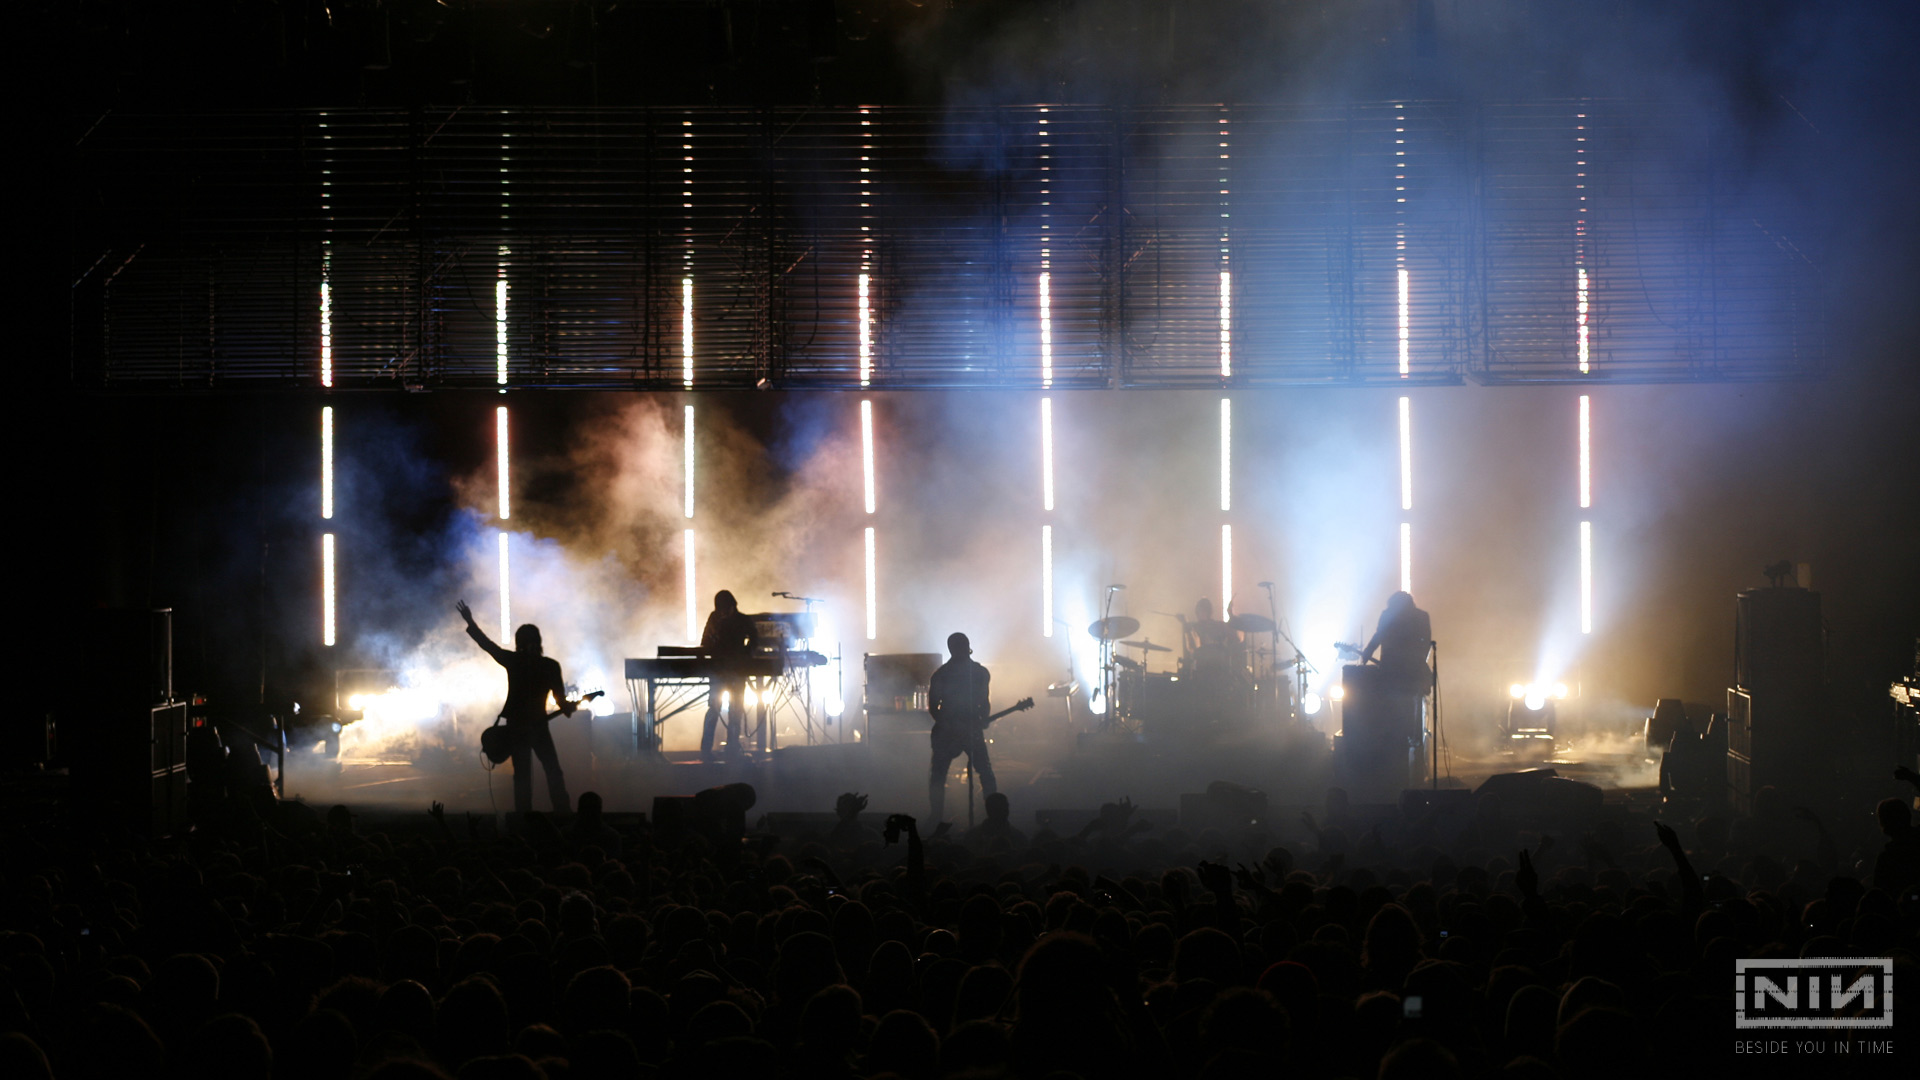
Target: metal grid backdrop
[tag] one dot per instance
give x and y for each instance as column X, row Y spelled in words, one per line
column 202, row 240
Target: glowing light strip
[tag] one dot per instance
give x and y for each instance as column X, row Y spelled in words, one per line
column 873, row 609
column 1046, row 453
column 693, row 596
column 326, row 590
column 506, row 600
column 686, row 440
column 1406, row 453
column 1226, row 567
column 326, row 335
column 502, row 459
column 1226, row 324
column 1046, row 331
column 1226, row 454
column 866, row 452
column 866, row 330
column 500, row 330
column 1586, row 454
column 686, row 332
column 1406, row 556
column 1586, row 577
column 1580, row 305
column 1046, row 580
column 1406, row 331
column 326, row 462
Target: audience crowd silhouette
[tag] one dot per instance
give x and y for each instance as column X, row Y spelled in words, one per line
column 276, row 942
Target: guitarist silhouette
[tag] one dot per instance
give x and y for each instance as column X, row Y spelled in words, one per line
column 531, row 676
column 957, row 697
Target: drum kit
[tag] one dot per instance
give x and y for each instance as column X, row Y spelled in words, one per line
column 1221, row 672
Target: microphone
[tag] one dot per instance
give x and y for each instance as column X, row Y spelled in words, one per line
column 1110, row 588
column 1265, row 584
column 787, row 595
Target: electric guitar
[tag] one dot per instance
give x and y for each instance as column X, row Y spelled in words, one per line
column 941, row 728
column 499, row 741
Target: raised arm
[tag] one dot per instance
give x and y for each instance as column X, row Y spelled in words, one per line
column 478, row 635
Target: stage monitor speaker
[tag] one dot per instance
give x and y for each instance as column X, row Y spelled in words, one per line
column 1777, row 643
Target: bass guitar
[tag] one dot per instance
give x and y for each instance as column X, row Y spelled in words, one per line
column 500, row 741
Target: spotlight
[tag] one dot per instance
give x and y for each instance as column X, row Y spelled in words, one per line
column 1337, row 692
column 1516, row 691
column 1310, row 702
column 835, row 707
column 1560, row 690
column 1535, row 700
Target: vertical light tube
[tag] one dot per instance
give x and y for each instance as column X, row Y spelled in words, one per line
column 1406, row 556
column 326, row 334
column 1226, row 569
column 502, row 459
column 1580, row 317
column 500, row 329
column 693, row 594
column 1046, row 454
column 1406, row 328
column 326, row 462
column 1406, row 453
column 686, row 333
column 327, row 610
column 1586, row 577
column 866, row 329
column 1226, row 454
column 873, row 608
column 686, row 442
column 506, row 599
column 1046, row 331
column 1586, row 454
column 866, row 453
column 1046, row 581
column 1226, row 324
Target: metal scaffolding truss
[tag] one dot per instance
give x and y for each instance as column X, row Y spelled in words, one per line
column 203, row 239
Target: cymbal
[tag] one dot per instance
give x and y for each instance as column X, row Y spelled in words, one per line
column 1113, row 629
column 1145, row 646
column 1250, row 623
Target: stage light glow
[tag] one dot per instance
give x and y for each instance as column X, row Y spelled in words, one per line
column 1580, row 316
column 1046, row 581
column 1560, row 690
column 693, row 595
column 1337, row 692
column 836, row 707
column 1226, row 324
column 327, row 610
column 1406, row 556
column 866, row 330
column 1226, row 567
column 356, row 702
column 1535, row 700
column 750, row 699
column 1310, row 703
column 873, row 608
column 1586, row 577
column 1046, row 330
column 686, row 442
column 1586, row 454
column 326, row 462
column 326, row 335
column 1517, row 691
column 726, row 700
column 1226, row 454
column 500, row 329
column 502, row 460
column 1046, row 453
column 1406, row 453
column 686, row 333
column 1406, row 325
column 506, row 597
column 866, row 454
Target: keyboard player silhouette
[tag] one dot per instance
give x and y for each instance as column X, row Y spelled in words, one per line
column 729, row 639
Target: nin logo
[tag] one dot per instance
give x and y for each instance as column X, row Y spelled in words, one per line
column 1813, row 993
